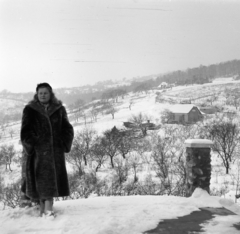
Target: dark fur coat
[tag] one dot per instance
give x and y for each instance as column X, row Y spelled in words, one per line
column 45, row 135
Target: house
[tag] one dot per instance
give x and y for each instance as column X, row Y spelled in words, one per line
column 186, row 113
column 163, row 85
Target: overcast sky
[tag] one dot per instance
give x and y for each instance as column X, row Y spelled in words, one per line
column 71, row 43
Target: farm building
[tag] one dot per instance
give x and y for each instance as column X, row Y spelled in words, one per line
column 185, row 113
column 163, row 85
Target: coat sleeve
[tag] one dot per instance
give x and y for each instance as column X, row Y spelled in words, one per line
column 67, row 132
column 27, row 134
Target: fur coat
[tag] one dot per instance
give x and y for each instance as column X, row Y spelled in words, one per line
column 45, row 135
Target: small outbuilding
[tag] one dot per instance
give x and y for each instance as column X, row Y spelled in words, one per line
column 186, row 113
column 208, row 109
column 163, row 85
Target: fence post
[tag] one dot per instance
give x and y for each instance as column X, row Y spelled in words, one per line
column 198, row 164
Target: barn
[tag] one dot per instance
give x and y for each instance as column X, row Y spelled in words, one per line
column 185, row 113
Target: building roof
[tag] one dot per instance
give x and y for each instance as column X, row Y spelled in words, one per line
column 183, row 109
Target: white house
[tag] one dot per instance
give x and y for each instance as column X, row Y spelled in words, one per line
column 186, row 113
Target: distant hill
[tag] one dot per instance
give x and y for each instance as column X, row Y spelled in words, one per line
column 87, row 93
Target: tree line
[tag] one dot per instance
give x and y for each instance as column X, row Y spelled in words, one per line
column 202, row 74
column 197, row 75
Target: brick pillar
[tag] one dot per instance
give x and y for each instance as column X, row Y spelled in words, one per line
column 198, row 164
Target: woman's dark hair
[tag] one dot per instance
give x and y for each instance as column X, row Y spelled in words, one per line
column 53, row 98
column 44, row 85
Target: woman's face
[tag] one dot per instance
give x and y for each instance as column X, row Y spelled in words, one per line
column 44, row 95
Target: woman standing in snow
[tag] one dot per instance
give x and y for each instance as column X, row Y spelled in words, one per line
column 46, row 135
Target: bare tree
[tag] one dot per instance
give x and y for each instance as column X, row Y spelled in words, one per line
column 84, row 115
column 169, row 165
column 11, row 132
column 213, row 98
column 121, row 168
column 143, row 146
column 7, row 152
column 134, row 161
column 130, row 105
column 125, row 144
column 75, row 158
column 98, row 153
column 234, row 100
column 225, row 136
column 141, row 122
column 81, row 149
column 166, row 116
column 94, row 114
column 110, row 142
column 111, row 110
column 3, row 128
column 78, row 114
column 86, row 139
column 227, row 93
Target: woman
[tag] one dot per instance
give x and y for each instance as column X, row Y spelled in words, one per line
column 46, row 135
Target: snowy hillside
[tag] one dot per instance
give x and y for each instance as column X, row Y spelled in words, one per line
column 144, row 103
column 131, row 214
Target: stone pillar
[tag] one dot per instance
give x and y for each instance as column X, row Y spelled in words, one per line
column 198, row 164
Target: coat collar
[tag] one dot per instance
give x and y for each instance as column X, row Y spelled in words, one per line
column 51, row 109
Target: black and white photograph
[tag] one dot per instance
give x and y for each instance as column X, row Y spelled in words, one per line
column 119, row 116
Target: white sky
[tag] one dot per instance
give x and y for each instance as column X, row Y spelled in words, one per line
column 118, row 215
column 70, row 43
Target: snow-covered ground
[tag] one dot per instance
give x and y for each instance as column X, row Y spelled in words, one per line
column 144, row 104
column 117, row 215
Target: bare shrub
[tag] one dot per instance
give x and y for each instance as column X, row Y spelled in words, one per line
column 84, row 186
column 10, row 195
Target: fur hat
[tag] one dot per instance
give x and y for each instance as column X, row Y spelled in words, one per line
column 44, row 85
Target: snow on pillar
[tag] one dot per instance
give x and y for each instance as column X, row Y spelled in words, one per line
column 198, row 164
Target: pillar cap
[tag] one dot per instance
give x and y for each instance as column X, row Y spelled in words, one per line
column 198, row 143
